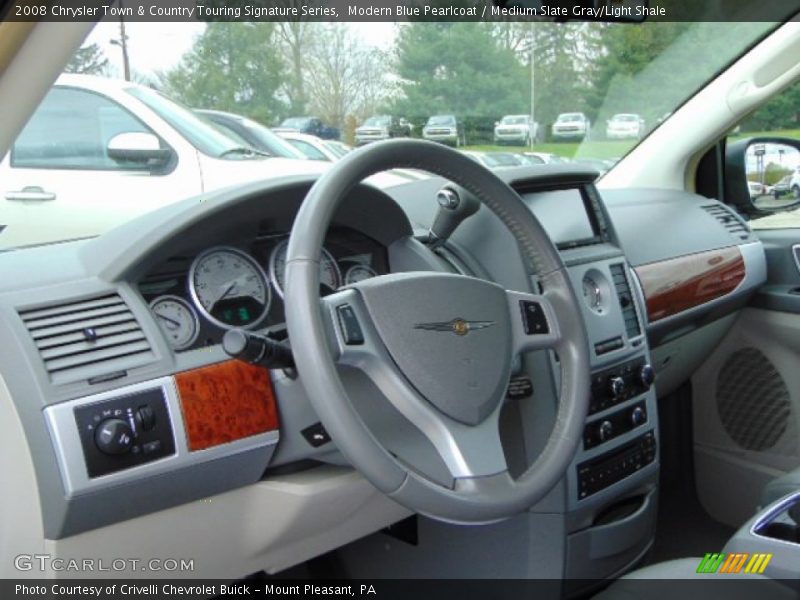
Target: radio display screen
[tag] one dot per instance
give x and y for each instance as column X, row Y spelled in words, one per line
column 566, row 215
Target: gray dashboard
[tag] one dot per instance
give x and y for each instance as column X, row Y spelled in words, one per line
column 81, row 274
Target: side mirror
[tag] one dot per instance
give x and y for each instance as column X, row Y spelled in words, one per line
column 762, row 174
column 138, row 148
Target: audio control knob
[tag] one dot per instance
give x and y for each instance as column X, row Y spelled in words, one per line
column 647, row 375
column 114, row 436
column 616, row 386
column 638, row 416
column 605, row 431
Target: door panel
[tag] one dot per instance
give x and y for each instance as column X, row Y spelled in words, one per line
column 747, row 394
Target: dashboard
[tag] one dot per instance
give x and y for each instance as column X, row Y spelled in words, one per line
column 196, row 298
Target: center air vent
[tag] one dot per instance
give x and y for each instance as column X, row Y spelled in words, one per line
column 87, row 339
column 729, row 220
column 626, row 302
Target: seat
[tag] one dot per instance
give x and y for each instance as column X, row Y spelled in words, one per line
column 679, row 579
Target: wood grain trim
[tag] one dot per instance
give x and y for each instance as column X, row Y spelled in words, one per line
column 226, row 402
column 678, row 284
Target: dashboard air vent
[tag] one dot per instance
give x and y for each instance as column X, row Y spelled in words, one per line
column 87, row 339
column 626, row 302
column 729, row 220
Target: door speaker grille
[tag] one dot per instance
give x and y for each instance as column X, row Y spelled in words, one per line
column 752, row 400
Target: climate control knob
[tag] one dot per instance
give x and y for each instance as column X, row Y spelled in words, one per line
column 647, row 375
column 638, row 416
column 616, row 386
column 114, row 436
column 605, row 430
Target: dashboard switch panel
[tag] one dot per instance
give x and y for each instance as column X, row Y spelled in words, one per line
column 124, row 432
column 619, row 384
column 606, row 470
column 609, row 427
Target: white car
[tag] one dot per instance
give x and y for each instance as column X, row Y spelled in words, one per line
column 315, row 148
column 521, row 130
column 575, row 126
column 625, row 126
column 123, row 137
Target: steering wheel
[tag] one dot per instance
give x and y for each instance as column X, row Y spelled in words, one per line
column 438, row 346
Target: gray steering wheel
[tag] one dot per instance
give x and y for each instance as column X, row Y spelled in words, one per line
column 438, row 346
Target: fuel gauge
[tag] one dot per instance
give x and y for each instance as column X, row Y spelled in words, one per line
column 177, row 319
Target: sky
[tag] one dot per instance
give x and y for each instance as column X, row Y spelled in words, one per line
column 155, row 47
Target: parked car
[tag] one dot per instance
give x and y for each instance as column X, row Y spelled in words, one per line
column 382, row 127
column 574, row 125
column 251, row 133
column 785, row 187
column 496, row 160
column 516, row 129
column 311, row 126
column 756, row 189
column 625, row 125
column 316, row 148
column 446, row 129
column 547, row 157
column 123, row 137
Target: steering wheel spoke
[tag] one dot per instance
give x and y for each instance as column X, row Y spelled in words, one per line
column 533, row 322
column 467, row 450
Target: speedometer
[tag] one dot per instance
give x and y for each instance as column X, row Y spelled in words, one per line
column 330, row 278
column 229, row 287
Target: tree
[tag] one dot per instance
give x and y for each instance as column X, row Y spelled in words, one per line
column 296, row 37
column 235, row 67
column 458, row 68
column 344, row 76
column 88, row 60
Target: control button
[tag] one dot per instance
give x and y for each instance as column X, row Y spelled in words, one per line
column 351, row 330
column 616, row 386
column 114, row 436
column 638, row 416
column 316, row 435
column 533, row 318
column 145, row 418
column 151, row 447
column 605, row 431
column 647, row 375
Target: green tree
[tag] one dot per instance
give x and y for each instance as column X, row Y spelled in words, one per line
column 457, row 68
column 88, row 60
column 235, row 67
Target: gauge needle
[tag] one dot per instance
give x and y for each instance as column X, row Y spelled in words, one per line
column 171, row 323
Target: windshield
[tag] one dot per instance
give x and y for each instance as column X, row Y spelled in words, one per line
column 442, row 120
column 449, row 82
column 378, row 122
column 200, row 134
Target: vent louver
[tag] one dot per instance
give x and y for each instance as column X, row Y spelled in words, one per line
column 88, row 338
column 729, row 220
column 626, row 302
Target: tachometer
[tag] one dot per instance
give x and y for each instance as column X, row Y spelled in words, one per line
column 330, row 278
column 229, row 287
column 358, row 273
column 177, row 319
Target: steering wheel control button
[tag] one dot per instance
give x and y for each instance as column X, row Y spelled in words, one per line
column 121, row 432
column 351, row 329
column 114, row 436
column 533, row 318
column 316, row 435
column 520, row 387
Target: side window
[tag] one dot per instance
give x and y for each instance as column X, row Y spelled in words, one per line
column 308, row 150
column 71, row 130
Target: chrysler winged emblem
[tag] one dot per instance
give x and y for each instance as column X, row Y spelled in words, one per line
column 457, row 326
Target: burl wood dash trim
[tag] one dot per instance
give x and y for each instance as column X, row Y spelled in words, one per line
column 226, row 402
column 678, row 284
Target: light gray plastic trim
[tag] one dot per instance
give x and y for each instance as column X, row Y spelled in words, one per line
column 770, row 514
column 63, row 431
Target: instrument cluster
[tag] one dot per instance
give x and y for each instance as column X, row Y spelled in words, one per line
column 196, row 299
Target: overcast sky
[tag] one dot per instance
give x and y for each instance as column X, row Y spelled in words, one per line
column 154, row 47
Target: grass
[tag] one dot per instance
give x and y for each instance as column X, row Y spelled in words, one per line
column 612, row 148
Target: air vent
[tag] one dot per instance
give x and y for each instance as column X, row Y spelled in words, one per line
column 729, row 220
column 626, row 302
column 86, row 339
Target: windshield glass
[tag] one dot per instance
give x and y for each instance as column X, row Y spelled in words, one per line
column 449, row 82
column 200, row 134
